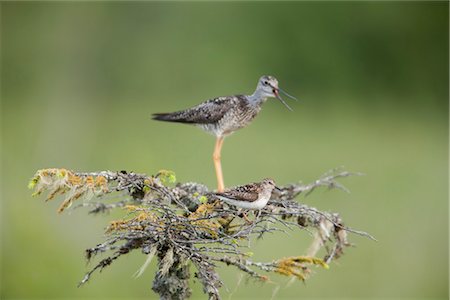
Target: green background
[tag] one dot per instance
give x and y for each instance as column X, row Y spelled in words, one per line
column 80, row 81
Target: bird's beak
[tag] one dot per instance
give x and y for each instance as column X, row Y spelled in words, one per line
column 285, row 93
column 277, row 188
column 277, row 91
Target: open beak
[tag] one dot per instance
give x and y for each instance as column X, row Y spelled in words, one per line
column 276, row 91
column 290, row 96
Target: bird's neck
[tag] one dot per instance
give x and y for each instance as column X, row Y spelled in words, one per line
column 257, row 98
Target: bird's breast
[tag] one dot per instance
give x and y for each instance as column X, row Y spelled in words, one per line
column 238, row 117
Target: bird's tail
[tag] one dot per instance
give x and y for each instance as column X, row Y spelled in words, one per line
column 170, row 117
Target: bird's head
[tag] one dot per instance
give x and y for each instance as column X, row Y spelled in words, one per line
column 269, row 183
column 268, row 87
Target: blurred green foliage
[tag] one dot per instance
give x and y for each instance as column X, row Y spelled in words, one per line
column 80, row 80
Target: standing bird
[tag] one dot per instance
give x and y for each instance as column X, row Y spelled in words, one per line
column 224, row 115
column 250, row 196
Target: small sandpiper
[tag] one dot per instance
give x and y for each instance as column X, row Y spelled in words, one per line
column 250, row 196
column 224, row 115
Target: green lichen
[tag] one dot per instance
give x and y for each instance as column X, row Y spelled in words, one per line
column 32, row 183
column 167, row 176
column 202, row 199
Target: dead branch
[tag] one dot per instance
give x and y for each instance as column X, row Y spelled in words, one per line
column 182, row 223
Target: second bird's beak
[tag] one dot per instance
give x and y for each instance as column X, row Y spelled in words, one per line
column 277, row 91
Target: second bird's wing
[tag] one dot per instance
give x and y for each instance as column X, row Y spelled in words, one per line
column 249, row 193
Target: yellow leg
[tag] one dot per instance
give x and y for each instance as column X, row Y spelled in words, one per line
column 218, row 165
column 244, row 216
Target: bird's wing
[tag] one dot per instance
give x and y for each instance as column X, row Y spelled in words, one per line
column 207, row 112
column 249, row 193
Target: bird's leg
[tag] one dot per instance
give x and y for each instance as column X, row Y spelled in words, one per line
column 218, row 165
column 258, row 214
column 245, row 217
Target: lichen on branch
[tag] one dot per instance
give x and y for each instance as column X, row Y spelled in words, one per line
column 182, row 224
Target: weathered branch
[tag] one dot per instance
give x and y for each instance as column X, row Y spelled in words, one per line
column 184, row 223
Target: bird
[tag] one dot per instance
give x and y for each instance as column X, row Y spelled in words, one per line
column 250, row 196
column 222, row 116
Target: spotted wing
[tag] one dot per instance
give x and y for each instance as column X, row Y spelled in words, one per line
column 249, row 193
column 207, row 112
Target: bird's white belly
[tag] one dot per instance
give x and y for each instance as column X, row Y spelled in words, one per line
column 258, row 204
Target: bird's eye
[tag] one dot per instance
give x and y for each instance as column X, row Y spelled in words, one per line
column 265, row 83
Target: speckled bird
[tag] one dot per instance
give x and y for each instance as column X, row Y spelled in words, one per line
column 250, row 196
column 224, row 115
